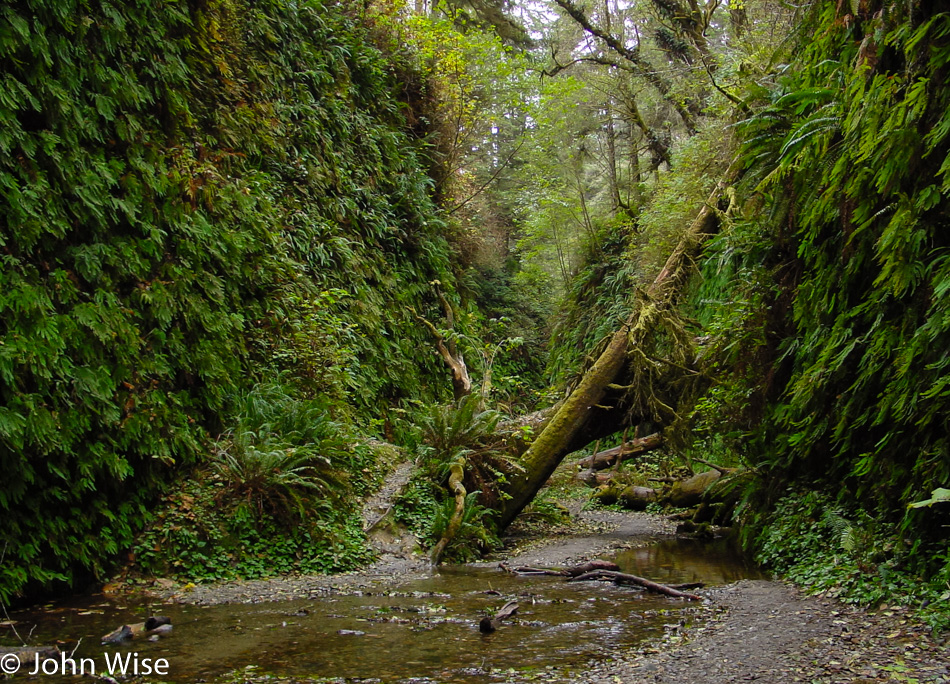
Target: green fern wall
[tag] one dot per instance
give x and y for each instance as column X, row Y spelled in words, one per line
column 182, row 184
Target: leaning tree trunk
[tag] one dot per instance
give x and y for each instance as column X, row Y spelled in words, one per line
column 559, row 436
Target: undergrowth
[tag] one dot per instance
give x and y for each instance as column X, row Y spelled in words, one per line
column 852, row 556
column 277, row 496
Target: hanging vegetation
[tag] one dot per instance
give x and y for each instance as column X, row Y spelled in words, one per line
column 833, row 326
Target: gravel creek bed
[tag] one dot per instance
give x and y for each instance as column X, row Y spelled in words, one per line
column 751, row 630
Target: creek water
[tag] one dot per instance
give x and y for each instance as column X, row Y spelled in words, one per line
column 419, row 630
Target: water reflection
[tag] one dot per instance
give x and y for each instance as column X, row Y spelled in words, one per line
column 413, row 629
column 677, row 561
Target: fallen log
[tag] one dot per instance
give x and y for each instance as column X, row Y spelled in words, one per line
column 608, row 457
column 528, row 570
column 688, row 493
column 590, row 566
column 574, row 571
column 637, row 498
column 490, row 624
column 687, row 585
column 594, row 479
column 624, row 578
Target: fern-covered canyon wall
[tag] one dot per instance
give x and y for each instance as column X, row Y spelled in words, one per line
column 197, row 196
column 817, row 319
column 836, row 333
column 234, row 233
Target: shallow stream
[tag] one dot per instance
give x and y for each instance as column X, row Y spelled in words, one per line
column 421, row 630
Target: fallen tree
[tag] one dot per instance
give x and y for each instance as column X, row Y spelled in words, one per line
column 609, row 457
column 574, row 571
column 584, row 412
column 624, row 578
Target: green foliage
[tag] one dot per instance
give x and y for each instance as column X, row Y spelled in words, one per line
column 452, row 435
column 829, row 302
column 274, row 498
column 455, row 431
column 544, row 511
column 187, row 191
column 628, row 255
column 417, row 506
column 202, row 532
column 313, row 341
column 281, row 450
column 852, row 556
column 511, row 321
column 476, row 534
column 599, row 299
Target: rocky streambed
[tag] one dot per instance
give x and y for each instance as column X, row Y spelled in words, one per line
column 399, row 622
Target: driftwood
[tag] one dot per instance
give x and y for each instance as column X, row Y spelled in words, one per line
column 624, row 578
column 574, row 571
column 601, row 460
column 490, row 624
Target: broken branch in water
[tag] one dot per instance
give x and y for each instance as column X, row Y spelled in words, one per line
column 490, row 624
column 573, row 571
column 624, row 578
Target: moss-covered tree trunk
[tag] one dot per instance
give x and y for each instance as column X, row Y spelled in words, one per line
column 456, row 475
column 559, row 436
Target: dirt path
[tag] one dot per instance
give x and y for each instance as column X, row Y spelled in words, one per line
column 767, row 631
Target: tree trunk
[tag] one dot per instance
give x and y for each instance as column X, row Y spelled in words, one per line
column 604, row 459
column 624, row 578
column 573, row 417
column 456, row 474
